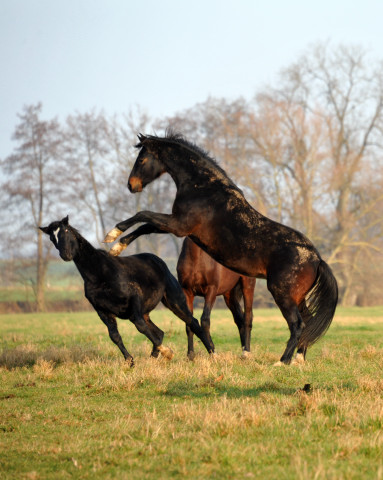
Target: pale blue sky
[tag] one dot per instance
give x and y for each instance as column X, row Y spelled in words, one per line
column 164, row 55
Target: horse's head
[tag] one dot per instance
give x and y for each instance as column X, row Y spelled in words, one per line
column 63, row 238
column 147, row 166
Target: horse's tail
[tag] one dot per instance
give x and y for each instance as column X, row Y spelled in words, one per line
column 318, row 308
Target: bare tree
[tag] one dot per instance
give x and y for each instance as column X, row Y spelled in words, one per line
column 86, row 151
column 33, row 183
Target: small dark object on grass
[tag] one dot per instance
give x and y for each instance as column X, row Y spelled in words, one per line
column 307, row 388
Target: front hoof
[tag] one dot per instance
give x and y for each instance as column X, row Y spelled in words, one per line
column 117, row 249
column 166, row 352
column 112, row 235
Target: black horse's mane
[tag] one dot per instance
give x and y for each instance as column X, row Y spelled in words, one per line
column 172, row 136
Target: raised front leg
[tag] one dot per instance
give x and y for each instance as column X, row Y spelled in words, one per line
column 180, row 226
column 111, row 323
column 146, row 229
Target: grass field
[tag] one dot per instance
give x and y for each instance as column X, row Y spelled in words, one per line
column 71, row 408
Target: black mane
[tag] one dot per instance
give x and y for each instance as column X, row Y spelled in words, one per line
column 172, row 136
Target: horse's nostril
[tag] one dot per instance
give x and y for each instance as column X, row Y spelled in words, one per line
column 129, row 186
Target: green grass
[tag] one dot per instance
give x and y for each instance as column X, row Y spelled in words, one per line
column 71, row 408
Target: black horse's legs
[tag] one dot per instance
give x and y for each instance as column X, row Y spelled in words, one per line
column 155, row 335
column 114, row 334
column 156, row 332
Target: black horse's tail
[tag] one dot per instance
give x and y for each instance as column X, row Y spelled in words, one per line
column 318, row 308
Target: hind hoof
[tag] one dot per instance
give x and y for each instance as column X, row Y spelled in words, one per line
column 298, row 360
column 166, row 352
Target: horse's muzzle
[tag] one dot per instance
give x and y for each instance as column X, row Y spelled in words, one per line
column 135, row 184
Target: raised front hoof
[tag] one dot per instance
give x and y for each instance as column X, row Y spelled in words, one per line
column 191, row 356
column 112, row 235
column 245, row 355
column 117, row 249
column 298, row 360
column 166, row 352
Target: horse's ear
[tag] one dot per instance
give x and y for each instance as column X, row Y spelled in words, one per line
column 65, row 220
column 141, row 139
column 45, row 230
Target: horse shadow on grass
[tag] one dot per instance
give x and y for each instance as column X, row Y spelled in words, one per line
column 180, row 390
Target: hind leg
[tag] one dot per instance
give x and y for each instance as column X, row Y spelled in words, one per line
column 190, row 335
column 211, row 295
column 157, row 332
column 232, row 301
column 289, row 309
column 145, row 326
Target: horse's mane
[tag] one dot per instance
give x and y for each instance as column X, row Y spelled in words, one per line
column 172, row 136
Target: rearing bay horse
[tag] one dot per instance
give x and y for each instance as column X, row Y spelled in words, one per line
column 211, row 210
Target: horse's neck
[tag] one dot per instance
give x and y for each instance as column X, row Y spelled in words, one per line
column 179, row 168
column 88, row 260
column 187, row 170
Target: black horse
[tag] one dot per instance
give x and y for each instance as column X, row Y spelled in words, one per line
column 200, row 275
column 128, row 287
column 213, row 212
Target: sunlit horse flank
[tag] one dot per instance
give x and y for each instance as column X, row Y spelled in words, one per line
column 200, row 275
column 127, row 287
column 213, row 212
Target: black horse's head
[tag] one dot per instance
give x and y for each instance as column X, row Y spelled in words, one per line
column 147, row 166
column 63, row 238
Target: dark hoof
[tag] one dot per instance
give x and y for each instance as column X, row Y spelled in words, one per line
column 191, row 356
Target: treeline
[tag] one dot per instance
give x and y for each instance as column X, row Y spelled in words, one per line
column 307, row 152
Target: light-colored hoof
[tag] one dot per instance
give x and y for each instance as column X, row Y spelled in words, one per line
column 112, row 235
column 278, row 364
column 245, row 355
column 298, row 360
column 166, row 352
column 117, row 249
